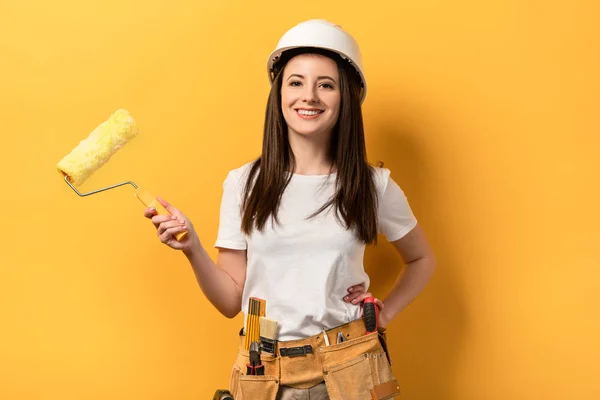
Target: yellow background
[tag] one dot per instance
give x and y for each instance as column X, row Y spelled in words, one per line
column 486, row 112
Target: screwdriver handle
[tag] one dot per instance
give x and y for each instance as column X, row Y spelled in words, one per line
column 370, row 314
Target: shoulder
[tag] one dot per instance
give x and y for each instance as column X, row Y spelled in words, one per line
column 237, row 176
column 381, row 178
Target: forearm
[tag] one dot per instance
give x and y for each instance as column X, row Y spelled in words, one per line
column 407, row 287
column 216, row 284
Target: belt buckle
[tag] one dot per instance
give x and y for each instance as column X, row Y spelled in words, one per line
column 296, row 351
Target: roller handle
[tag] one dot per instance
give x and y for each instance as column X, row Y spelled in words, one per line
column 370, row 314
column 150, row 201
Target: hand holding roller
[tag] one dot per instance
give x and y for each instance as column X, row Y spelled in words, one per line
column 94, row 151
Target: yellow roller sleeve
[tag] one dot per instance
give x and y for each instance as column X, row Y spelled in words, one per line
column 94, row 151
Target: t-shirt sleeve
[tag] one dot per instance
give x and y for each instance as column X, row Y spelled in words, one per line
column 396, row 217
column 230, row 235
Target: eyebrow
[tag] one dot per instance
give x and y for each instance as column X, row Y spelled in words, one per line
column 318, row 77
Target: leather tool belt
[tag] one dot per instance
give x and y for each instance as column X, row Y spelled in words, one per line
column 357, row 368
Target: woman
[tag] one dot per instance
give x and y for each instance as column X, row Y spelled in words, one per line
column 294, row 224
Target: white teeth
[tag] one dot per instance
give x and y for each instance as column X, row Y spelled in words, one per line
column 306, row 112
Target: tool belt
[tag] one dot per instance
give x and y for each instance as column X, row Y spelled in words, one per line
column 357, row 368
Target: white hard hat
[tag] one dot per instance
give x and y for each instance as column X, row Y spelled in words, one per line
column 321, row 34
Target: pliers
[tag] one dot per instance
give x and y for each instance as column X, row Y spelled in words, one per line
column 255, row 367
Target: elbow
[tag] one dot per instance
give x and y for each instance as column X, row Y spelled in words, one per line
column 432, row 264
column 230, row 314
column 427, row 264
column 432, row 261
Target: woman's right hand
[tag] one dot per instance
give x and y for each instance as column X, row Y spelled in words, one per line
column 167, row 226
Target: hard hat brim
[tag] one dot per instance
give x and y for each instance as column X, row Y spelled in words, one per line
column 276, row 55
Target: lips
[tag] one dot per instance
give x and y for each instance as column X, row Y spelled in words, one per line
column 308, row 113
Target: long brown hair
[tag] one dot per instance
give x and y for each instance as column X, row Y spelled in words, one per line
column 355, row 197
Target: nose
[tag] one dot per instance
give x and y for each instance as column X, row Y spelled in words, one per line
column 310, row 94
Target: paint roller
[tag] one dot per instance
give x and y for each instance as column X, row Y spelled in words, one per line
column 95, row 150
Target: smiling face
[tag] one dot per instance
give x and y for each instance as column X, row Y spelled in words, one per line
column 310, row 95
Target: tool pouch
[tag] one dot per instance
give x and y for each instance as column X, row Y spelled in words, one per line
column 261, row 387
column 381, row 332
column 254, row 387
column 358, row 369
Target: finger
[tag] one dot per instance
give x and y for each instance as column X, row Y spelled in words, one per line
column 161, row 219
column 171, row 232
column 150, row 212
column 352, row 296
column 361, row 297
column 173, row 243
column 168, row 236
column 167, row 205
column 356, row 288
column 378, row 302
column 166, row 226
column 354, row 291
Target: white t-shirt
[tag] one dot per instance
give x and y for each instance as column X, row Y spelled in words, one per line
column 303, row 267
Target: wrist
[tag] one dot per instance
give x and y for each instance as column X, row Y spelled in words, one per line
column 384, row 318
column 192, row 250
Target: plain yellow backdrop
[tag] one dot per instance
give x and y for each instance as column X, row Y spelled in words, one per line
column 486, row 113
